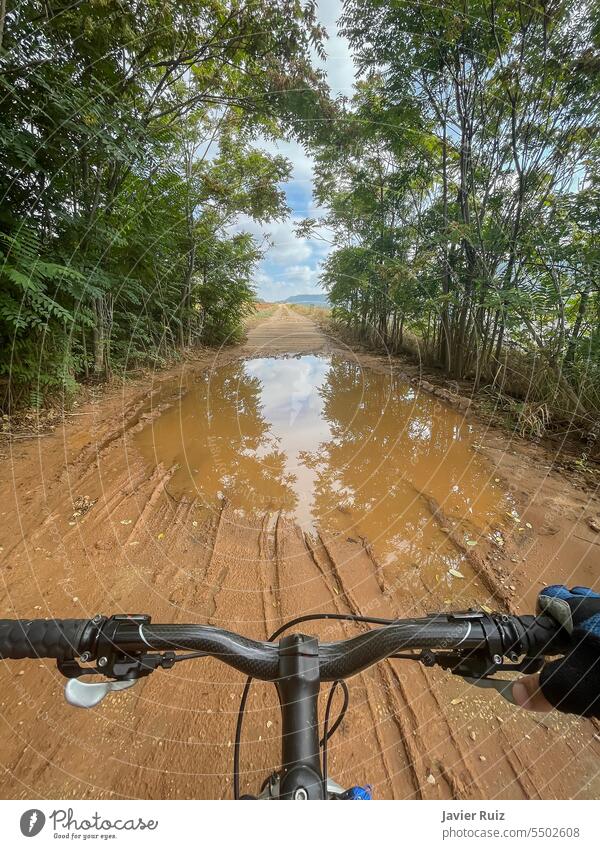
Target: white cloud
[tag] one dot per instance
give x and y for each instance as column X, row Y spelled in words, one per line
column 303, row 276
column 285, row 247
column 301, row 162
column 291, row 265
column 338, row 65
column 280, row 283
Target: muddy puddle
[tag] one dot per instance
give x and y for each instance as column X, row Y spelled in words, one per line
column 342, row 449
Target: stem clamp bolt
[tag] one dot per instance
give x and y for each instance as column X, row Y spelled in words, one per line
column 300, row 795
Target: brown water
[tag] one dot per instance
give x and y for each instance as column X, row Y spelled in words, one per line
column 341, row 448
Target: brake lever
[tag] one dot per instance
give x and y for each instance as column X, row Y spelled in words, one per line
column 501, row 686
column 478, row 668
column 88, row 694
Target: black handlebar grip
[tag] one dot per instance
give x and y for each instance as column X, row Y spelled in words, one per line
column 59, row 638
column 542, row 635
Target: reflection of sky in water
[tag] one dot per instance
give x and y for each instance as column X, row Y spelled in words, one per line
column 350, row 451
column 292, row 404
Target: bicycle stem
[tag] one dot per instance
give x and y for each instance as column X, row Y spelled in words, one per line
column 298, row 687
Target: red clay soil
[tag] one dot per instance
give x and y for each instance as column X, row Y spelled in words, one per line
column 410, row 732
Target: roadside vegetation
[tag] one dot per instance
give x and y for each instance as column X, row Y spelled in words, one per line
column 321, row 315
column 462, row 183
column 129, row 144
column 261, row 311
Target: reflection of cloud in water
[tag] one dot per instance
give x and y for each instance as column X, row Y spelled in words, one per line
column 291, row 403
column 354, row 452
column 290, row 389
column 419, row 430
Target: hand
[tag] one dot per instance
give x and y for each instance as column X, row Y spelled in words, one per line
column 572, row 683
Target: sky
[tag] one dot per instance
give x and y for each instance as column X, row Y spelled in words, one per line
column 290, row 266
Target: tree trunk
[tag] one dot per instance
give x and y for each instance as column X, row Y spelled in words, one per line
column 445, row 345
column 98, row 339
column 574, row 336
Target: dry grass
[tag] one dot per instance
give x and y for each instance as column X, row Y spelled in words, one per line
column 320, row 315
column 261, row 311
column 523, row 391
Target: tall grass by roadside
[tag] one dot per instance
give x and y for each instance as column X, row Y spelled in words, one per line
column 523, row 391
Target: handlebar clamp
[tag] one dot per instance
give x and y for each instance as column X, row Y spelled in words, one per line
column 504, row 636
column 112, row 661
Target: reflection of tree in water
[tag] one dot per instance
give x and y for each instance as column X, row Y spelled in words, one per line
column 392, row 451
column 223, row 444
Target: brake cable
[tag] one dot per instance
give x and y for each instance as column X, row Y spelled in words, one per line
column 329, row 733
column 340, row 717
column 310, row 617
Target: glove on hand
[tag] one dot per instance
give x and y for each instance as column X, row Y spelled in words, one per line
column 572, row 683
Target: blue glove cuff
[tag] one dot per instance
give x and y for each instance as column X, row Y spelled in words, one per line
column 591, row 625
column 560, row 591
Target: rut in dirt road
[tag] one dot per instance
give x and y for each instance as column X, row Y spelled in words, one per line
column 149, row 544
column 287, row 332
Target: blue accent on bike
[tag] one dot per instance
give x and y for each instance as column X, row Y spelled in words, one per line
column 358, row 793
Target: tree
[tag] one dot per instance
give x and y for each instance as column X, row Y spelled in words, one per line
column 461, row 166
column 126, row 142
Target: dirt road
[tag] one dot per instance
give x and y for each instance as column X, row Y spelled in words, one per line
column 287, row 332
column 410, row 732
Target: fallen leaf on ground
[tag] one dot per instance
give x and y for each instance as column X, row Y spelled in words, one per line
column 82, row 504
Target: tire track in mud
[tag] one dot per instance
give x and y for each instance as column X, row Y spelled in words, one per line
column 399, row 701
column 217, row 568
column 395, row 758
column 268, row 574
column 171, row 735
column 398, row 711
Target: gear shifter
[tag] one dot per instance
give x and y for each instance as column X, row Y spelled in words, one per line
column 85, row 694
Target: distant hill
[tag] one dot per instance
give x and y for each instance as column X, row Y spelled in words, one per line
column 314, row 300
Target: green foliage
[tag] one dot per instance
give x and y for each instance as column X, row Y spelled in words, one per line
column 126, row 154
column 461, row 183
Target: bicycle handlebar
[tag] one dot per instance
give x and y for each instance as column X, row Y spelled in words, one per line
column 470, row 644
column 66, row 639
column 30, row 638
